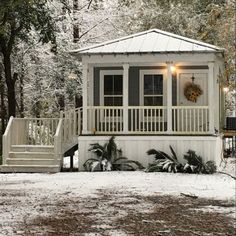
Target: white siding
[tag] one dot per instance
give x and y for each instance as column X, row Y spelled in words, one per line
column 135, row 147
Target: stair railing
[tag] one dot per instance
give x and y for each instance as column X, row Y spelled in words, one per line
column 6, row 140
column 72, row 123
column 58, row 141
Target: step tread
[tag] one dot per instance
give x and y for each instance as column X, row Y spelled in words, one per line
column 44, row 166
column 30, row 169
column 33, row 146
column 32, row 159
column 34, row 153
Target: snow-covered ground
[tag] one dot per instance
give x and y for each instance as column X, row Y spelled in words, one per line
column 32, row 202
column 215, row 186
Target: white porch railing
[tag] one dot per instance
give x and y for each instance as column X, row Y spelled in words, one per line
column 143, row 119
column 190, row 119
column 72, row 123
column 103, row 119
column 33, row 131
column 147, row 119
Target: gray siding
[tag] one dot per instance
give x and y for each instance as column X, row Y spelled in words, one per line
column 134, row 82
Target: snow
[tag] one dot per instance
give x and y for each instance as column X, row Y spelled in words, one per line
column 88, row 183
column 66, row 161
column 41, row 196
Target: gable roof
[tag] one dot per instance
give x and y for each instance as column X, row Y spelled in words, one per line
column 150, row 41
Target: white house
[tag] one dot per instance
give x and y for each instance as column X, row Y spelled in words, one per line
column 150, row 90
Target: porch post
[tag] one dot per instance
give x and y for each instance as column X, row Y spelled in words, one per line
column 169, row 98
column 211, row 96
column 85, row 98
column 125, row 97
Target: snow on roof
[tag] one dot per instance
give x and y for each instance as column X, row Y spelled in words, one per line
column 150, row 41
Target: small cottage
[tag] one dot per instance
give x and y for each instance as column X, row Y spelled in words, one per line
column 150, row 90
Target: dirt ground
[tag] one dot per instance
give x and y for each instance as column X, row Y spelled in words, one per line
column 113, row 213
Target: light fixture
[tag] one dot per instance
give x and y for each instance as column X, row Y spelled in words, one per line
column 173, row 69
column 226, row 89
column 72, row 76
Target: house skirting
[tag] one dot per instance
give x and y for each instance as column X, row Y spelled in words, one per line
column 135, row 147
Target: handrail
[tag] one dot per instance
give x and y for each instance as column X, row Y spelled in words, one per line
column 58, row 128
column 34, row 118
column 6, row 141
column 190, row 107
column 8, row 126
column 58, row 140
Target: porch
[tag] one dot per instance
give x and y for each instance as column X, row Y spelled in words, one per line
column 148, row 120
column 149, row 98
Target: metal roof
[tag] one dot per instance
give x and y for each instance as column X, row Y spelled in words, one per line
column 150, row 41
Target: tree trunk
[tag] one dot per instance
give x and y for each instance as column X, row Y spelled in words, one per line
column 21, row 96
column 10, row 85
column 3, row 108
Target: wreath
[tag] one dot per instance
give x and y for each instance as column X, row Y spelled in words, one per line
column 192, row 91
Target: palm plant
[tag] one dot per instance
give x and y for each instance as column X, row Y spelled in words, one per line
column 164, row 162
column 109, row 157
column 195, row 164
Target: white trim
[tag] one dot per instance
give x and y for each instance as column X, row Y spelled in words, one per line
column 107, row 72
column 180, row 58
column 151, row 72
column 85, row 98
column 169, row 98
column 153, row 137
column 211, row 91
column 91, row 85
column 125, row 96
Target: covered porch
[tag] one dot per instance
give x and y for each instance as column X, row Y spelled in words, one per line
column 132, row 106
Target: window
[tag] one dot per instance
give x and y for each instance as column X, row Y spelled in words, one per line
column 153, row 89
column 113, row 90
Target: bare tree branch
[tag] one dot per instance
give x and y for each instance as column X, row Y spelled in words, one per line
column 228, row 175
column 86, row 32
column 90, row 2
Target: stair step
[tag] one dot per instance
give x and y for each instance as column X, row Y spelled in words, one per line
column 30, row 169
column 31, row 155
column 32, row 148
column 30, row 161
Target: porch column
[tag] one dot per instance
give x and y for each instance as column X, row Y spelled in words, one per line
column 169, row 98
column 125, row 97
column 211, row 97
column 85, row 98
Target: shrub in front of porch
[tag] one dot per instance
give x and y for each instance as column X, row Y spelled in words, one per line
column 166, row 163
column 195, row 164
column 109, row 157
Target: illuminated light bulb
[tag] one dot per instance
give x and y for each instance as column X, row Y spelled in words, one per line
column 225, row 89
column 173, row 69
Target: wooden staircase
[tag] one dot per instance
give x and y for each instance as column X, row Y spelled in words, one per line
column 35, row 145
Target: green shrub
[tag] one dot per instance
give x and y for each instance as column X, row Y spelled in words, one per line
column 169, row 163
column 164, row 162
column 195, row 164
column 109, row 157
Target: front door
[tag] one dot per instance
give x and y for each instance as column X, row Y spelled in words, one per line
column 199, row 79
column 191, row 116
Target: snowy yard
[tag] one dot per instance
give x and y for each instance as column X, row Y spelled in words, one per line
column 116, row 203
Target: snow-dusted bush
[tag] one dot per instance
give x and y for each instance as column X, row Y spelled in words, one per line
column 169, row 163
column 195, row 164
column 164, row 162
column 109, row 157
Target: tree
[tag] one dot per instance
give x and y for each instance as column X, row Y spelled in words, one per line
column 17, row 19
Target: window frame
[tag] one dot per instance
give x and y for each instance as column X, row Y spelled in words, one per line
column 102, row 75
column 141, row 85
